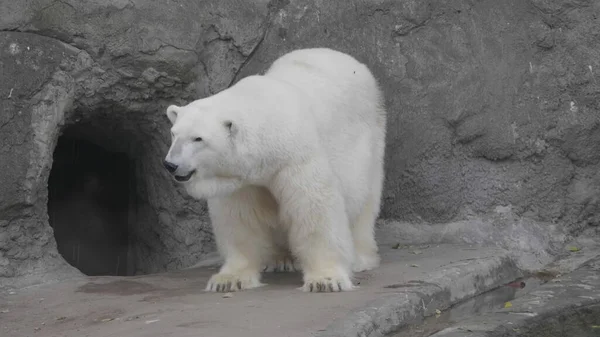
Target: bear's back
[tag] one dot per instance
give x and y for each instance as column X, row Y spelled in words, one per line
column 347, row 110
column 346, row 99
column 344, row 88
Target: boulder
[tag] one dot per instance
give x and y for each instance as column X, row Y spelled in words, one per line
column 493, row 107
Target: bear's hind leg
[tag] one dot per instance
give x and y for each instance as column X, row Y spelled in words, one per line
column 281, row 259
column 241, row 226
column 363, row 226
column 363, row 233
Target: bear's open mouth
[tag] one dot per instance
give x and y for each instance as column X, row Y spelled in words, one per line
column 185, row 177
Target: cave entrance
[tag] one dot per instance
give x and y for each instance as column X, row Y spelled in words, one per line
column 90, row 205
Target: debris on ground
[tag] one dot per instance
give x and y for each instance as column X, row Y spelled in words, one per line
column 416, row 249
column 546, row 274
column 517, row 284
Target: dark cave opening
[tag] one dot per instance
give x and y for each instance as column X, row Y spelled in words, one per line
column 90, row 191
column 112, row 206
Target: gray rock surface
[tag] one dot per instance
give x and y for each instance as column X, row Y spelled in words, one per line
column 106, row 72
column 493, row 105
column 173, row 304
column 566, row 306
column 405, row 289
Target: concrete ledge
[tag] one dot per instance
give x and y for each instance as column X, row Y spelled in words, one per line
column 562, row 295
column 412, row 282
column 419, row 298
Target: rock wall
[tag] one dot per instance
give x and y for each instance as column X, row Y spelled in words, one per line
column 493, row 105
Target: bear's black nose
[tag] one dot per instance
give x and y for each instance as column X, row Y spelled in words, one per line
column 170, row 166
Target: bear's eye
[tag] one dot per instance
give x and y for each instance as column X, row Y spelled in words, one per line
column 228, row 124
column 198, row 139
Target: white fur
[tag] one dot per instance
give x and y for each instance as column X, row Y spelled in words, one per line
column 291, row 161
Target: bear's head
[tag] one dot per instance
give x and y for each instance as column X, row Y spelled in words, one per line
column 201, row 154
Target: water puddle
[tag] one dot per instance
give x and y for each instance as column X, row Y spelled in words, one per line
column 486, row 302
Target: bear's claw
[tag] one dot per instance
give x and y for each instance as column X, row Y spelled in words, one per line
column 286, row 264
column 232, row 282
column 327, row 285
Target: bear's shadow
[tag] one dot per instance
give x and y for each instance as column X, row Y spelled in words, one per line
column 282, row 278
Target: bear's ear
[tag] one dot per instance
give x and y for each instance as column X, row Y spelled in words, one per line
column 232, row 128
column 172, row 112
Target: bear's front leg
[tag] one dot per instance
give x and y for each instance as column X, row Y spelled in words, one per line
column 312, row 208
column 241, row 227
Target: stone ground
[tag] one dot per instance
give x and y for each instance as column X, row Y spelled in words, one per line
column 492, row 108
column 493, row 138
column 553, row 309
column 411, row 282
column 174, row 304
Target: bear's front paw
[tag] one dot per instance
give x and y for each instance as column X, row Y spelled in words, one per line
column 282, row 264
column 327, row 284
column 226, row 282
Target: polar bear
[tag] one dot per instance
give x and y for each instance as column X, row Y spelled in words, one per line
column 291, row 165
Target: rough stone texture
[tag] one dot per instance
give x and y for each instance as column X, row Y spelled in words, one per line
column 566, row 306
column 492, row 103
column 405, row 287
column 416, row 299
column 106, row 71
column 30, row 115
column 493, row 106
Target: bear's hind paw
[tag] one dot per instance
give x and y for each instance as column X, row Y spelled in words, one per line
column 233, row 282
column 364, row 262
column 285, row 264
